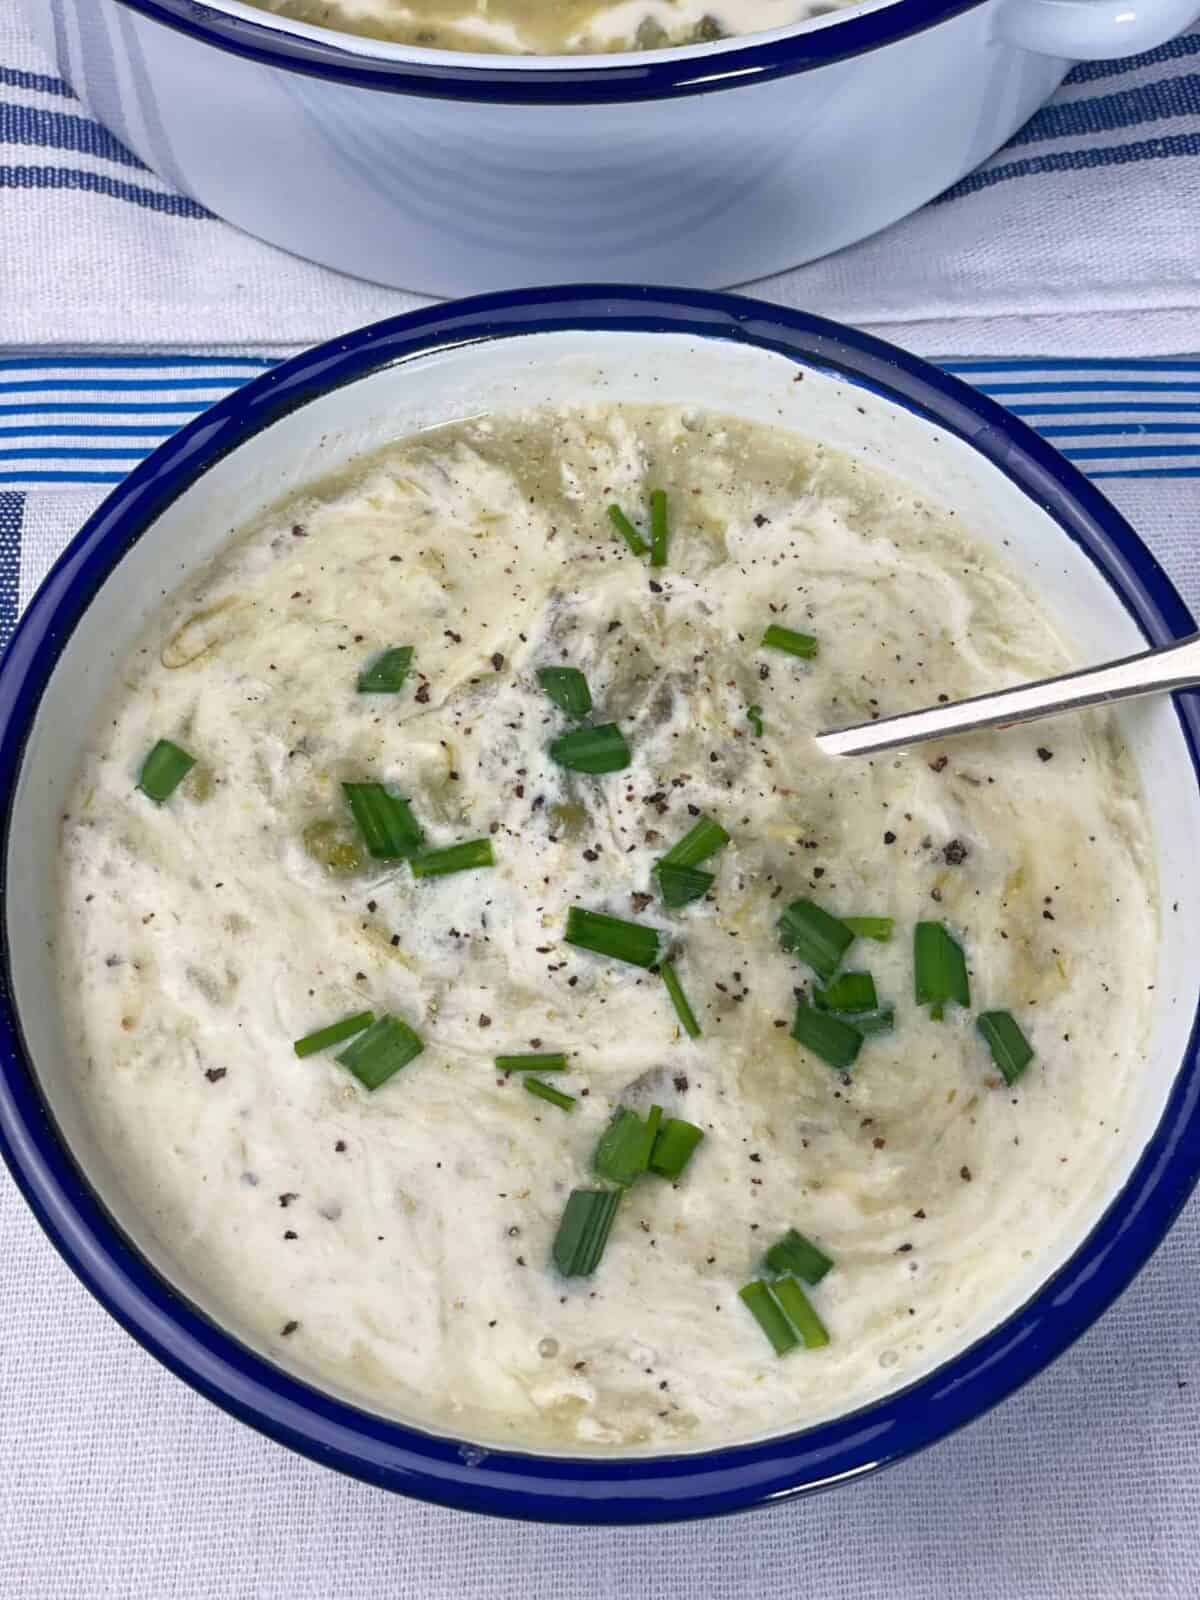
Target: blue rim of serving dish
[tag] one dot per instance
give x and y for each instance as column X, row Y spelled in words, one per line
column 580, row 1489
column 642, row 75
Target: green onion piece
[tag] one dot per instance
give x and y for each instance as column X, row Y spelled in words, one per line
column 679, row 886
column 754, row 716
column 334, row 1033
column 587, row 1220
column 827, row 1036
column 697, row 845
column 544, row 1091
column 869, row 1022
column 795, row 644
column 623, row 1153
column 687, row 1017
column 877, row 928
column 454, row 858
column 386, row 674
column 385, row 820
column 163, row 770
column 612, row 936
column 799, row 1312
column 817, row 938
column 673, row 1147
column 568, row 688
column 757, row 1299
column 850, row 991
column 387, row 1045
column 939, row 969
column 1011, row 1050
column 795, row 1253
column 658, row 528
column 550, row 1061
column 601, row 748
column 627, row 531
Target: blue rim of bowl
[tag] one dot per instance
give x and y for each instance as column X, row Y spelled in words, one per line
column 696, row 69
column 513, row 1483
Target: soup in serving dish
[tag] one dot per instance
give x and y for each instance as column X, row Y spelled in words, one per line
column 543, row 27
column 709, row 1087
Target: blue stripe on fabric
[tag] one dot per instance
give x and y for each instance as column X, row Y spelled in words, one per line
column 39, row 82
column 1050, row 364
column 58, row 130
column 1119, row 452
column 1091, row 407
column 1173, row 50
column 12, row 516
column 1114, row 429
column 12, row 362
column 1098, row 387
column 1149, row 102
column 1150, row 472
column 174, row 205
column 61, row 453
column 83, row 430
column 63, row 477
column 115, row 408
column 1118, row 155
column 42, row 385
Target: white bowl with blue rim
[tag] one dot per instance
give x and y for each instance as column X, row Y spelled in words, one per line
column 449, row 172
column 498, row 353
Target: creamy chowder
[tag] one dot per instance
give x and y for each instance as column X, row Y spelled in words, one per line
column 551, row 27
column 405, row 1244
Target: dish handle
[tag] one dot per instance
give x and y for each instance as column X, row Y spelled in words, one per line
column 1093, row 30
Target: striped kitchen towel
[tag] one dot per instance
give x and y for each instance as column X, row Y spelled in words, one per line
column 1082, row 235
column 72, row 426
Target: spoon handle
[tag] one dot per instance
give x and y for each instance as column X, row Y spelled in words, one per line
column 1171, row 666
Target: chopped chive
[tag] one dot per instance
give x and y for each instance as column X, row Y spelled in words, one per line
column 627, row 531
column 869, row 1022
column 795, row 644
column 877, row 928
column 568, row 688
column 834, row 1040
column 383, row 1049
column 679, row 886
column 795, row 1253
column 163, row 770
column 850, row 991
column 625, row 1147
column 544, row 1091
column 697, row 845
column 550, row 1061
column 754, row 716
column 757, row 1299
column 1011, row 1050
column 939, row 969
column 687, row 1017
column 658, row 528
column 817, row 938
column 387, row 672
column 674, row 1146
column 385, row 820
column 334, row 1033
column 587, row 1220
column 612, row 936
column 601, row 748
column 799, row 1312
column 454, row 858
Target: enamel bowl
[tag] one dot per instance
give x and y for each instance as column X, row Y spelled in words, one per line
column 497, row 353
column 449, row 172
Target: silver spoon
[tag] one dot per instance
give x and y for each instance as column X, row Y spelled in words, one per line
column 1171, row 666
